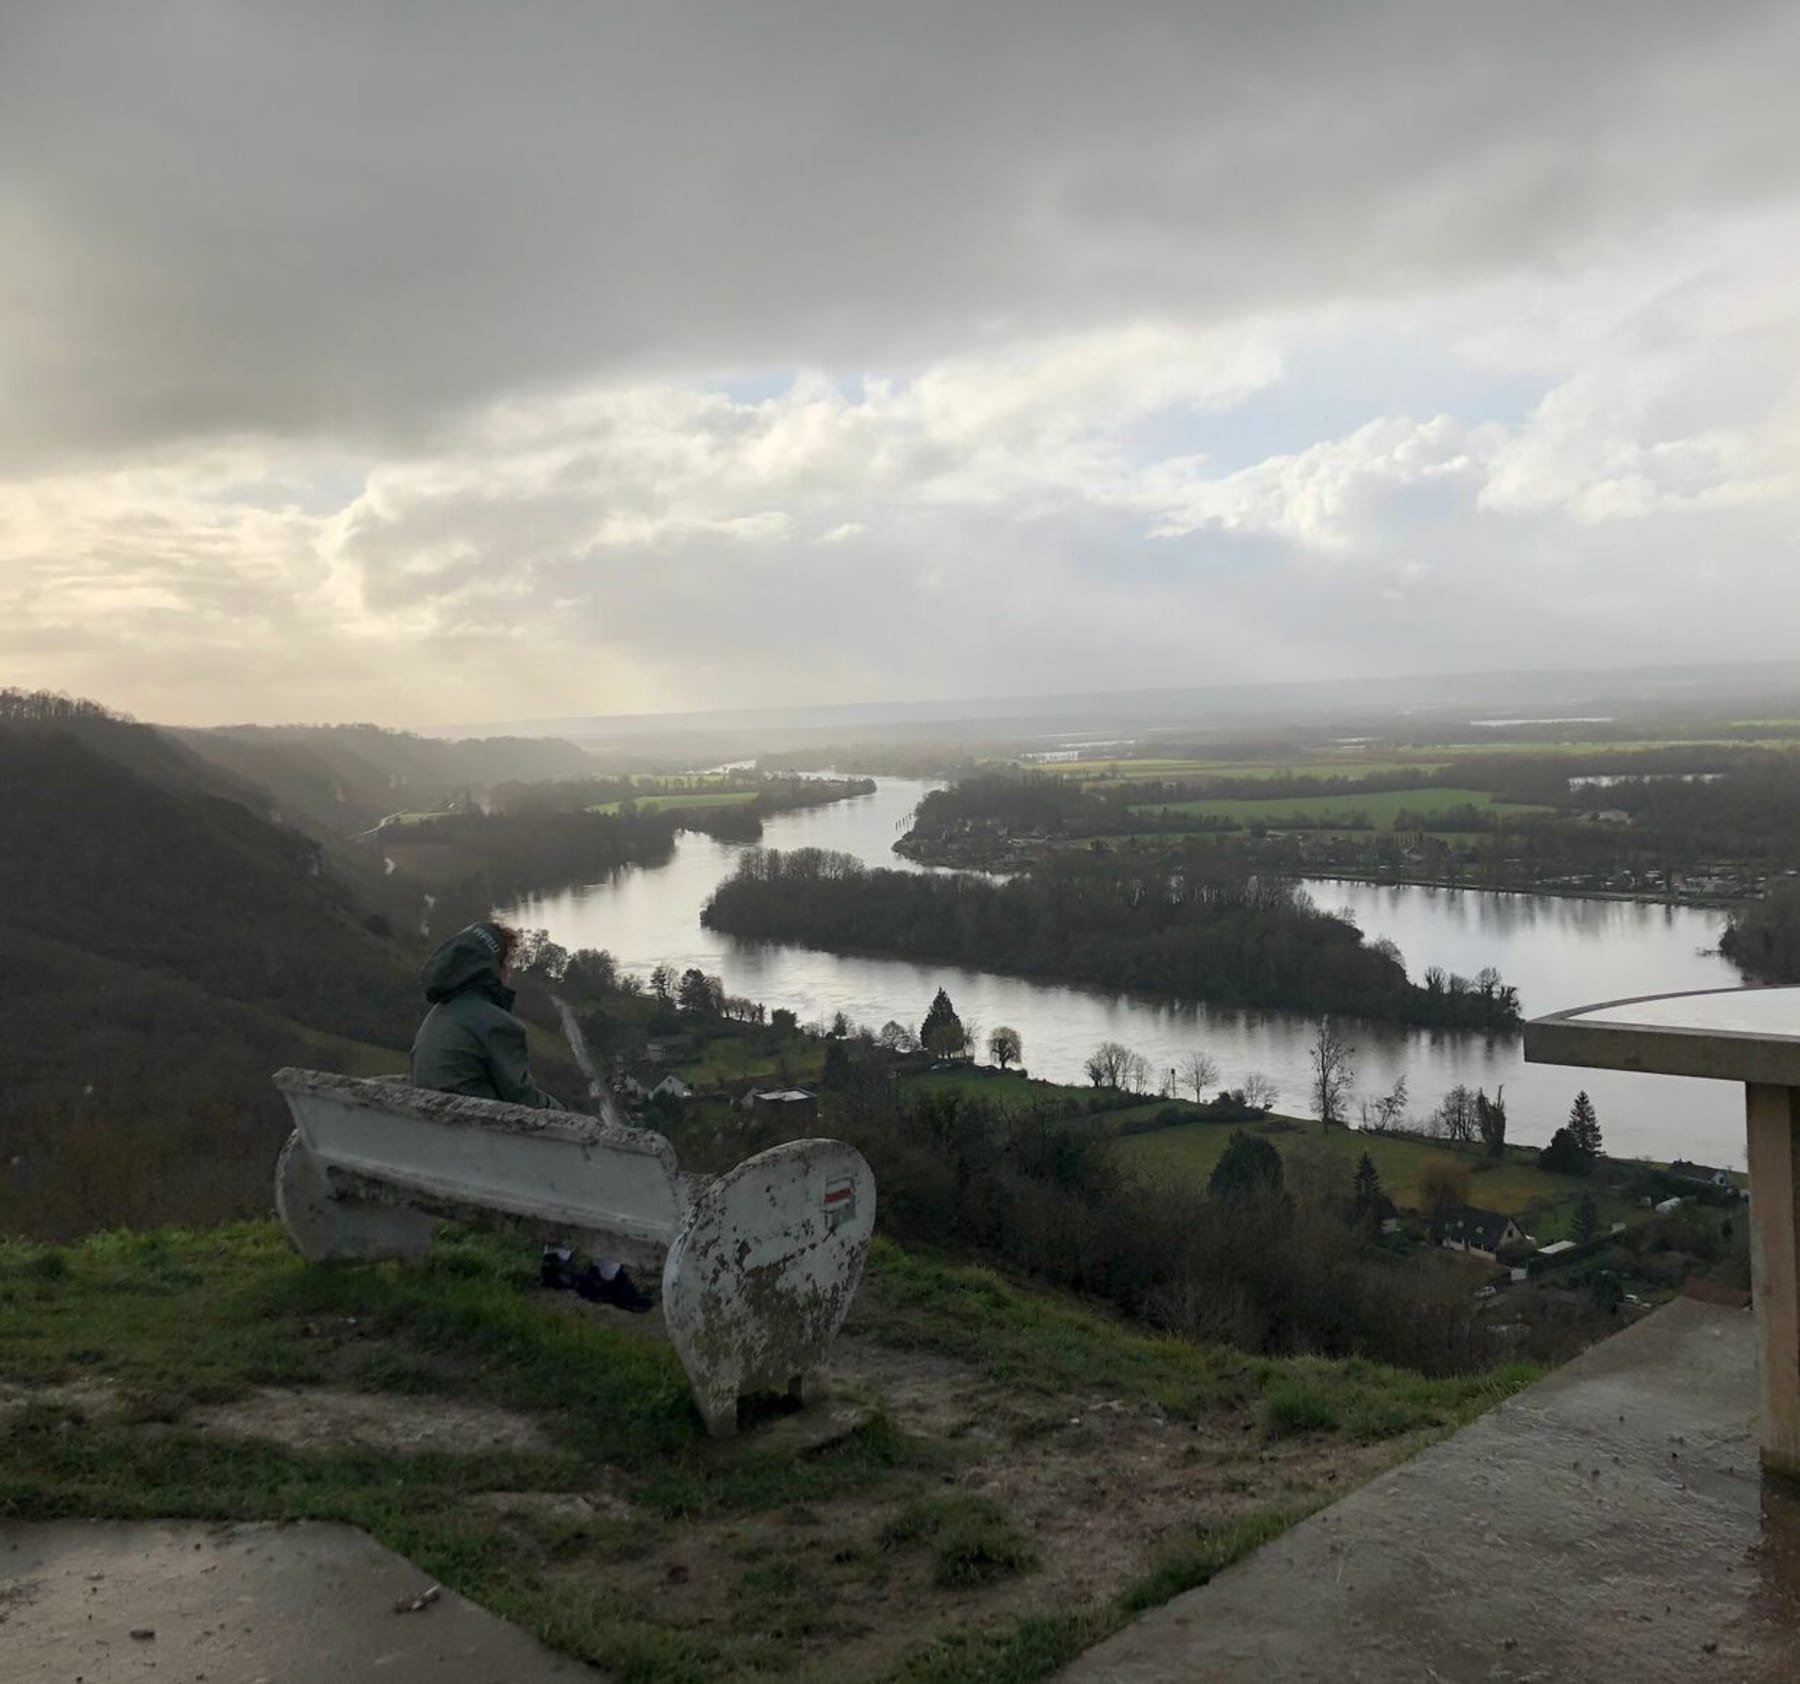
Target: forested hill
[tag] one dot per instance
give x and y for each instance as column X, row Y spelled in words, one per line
column 343, row 779
column 165, row 949
column 188, row 884
column 1229, row 939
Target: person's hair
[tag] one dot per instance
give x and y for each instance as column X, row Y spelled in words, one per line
column 509, row 941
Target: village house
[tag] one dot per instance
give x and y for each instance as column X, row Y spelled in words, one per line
column 651, row 1084
column 1482, row 1232
column 788, row 1102
column 1682, row 1170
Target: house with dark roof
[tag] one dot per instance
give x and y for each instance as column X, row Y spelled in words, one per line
column 1483, row 1232
column 1682, row 1170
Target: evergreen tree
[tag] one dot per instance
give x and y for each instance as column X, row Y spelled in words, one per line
column 1250, row 1169
column 696, row 993
column 1366, row 1185
column 1584, row 1125
column 1587, row 1219
column 1564, row 1156
column 1490, row 1118
column 837, row 1064
column 942, row 1030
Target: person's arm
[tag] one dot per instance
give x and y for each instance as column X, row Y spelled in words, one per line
column 511, row 1068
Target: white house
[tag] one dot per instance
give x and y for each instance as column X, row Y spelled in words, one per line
column 1682, row 1170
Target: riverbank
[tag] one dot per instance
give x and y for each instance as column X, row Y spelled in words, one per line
column 1560, row 951
column 1708, row 903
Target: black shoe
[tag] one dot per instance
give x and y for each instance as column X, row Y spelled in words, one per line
column 558, row 1273
column 621, row 1292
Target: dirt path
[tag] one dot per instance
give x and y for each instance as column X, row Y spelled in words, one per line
column 578, row 1049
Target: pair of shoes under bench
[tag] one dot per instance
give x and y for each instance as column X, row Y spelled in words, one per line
column 622, row 1292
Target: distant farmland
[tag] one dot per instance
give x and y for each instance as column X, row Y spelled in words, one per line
column 1171, row 770
column 686, row 800
column 1379, row 807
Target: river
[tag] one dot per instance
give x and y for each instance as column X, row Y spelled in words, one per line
column 1557, row 951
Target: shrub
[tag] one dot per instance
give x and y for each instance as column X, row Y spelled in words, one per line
column 1037, row 1193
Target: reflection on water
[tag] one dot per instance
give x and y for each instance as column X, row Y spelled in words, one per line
column 1558, row 952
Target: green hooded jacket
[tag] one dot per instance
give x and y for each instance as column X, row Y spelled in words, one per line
column 470, row 1042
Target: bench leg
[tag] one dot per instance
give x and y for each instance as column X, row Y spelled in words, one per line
column 719, row 1412
column 808, row 1388
column 325, row 1228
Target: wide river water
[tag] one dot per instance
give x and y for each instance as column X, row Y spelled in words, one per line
column 1558, row 952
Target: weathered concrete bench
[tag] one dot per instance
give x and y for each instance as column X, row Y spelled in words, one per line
column 758, row 1265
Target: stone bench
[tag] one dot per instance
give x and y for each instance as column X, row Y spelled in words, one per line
column 758, row 1265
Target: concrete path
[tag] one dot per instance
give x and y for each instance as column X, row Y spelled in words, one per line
column 1607, row 1524
column 168, row 1602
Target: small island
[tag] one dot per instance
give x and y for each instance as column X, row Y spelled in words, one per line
column 1205, row 933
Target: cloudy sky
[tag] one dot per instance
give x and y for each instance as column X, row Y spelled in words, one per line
column 442, row 362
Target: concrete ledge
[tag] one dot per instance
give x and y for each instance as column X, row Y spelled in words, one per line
column 1608, row 1523
column 107, row 1601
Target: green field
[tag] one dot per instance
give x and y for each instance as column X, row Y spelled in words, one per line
column 1154, row 770
column 1464, row 751
column 1380, row 807
column 1545, row 1204
column 662, row 801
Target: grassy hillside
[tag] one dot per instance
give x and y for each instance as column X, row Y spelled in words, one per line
column 170, row 948
column 172, row 1374
column 343, row 779
column 187, row 884
column 1185, row 1154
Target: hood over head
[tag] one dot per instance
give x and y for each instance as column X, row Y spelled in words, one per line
column 470, row 958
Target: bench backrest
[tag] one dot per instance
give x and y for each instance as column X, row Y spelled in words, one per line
column 549, row 1173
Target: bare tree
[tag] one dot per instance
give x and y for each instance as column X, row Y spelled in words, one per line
column 1005, row 1046
column 1137, row 1073
column 1260, row 1091
column 1201, row 1073
column 1334, row 1074
column 1113, row 1065
column 1390, row 1112
column 896, row 1037
column 1454, row 1118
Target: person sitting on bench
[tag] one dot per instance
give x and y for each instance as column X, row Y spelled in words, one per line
column 470, row 1043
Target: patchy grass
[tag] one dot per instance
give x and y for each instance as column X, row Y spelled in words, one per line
column 970, row 1539
column 750, row 1053
column 1294, row 1404
column 1006, row 1088
column 1034, row 1342
column 857, row 1555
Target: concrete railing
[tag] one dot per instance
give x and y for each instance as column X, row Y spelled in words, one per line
column 1748, row 1035
column 758, row 1265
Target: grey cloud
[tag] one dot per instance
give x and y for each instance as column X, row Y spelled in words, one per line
column 353, row 221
